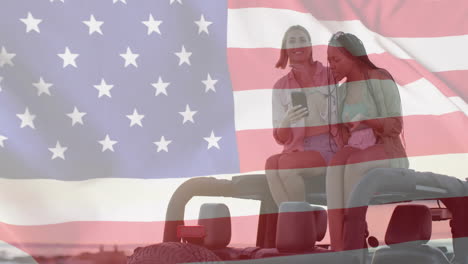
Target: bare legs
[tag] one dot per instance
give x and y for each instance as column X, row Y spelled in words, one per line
column 335, row 195
column 274, row 181
column 285, row 174
column 346, row 168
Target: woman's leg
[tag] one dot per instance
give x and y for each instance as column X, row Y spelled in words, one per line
column 335, row 195
column 360, row 163
column 274, row 182
column 296, row 165
column 357, row 166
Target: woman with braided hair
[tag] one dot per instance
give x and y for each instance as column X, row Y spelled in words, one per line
column 369, row 125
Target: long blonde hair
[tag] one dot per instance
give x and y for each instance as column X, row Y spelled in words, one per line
column 284, row 58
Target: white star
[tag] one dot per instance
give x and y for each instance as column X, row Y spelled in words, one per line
column 188, row 115
column 183, row 56
column 1, row 79
column 160, row 87
column 2, row 138
column 162, row 144
column 123, row 1
column 212, row 141
column 107, row 144
column 68, row 58
column 153, row 25
column 27, row 119
column 135, row 118
column 130, row 58
column 209, row 84
column 5, row 57
column 58, row 151
column 104, row 89
column 178, row 1
column 76, row 116
column 94, row 25
column 31, row 23
column 203, row 25
column 42, row 87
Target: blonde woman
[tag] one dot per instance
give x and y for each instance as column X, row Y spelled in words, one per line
column 302, row 130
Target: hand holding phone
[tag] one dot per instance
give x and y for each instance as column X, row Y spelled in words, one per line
column 300, row 99
column 293, row 115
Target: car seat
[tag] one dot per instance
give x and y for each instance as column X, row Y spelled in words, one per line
column 300, row 226
column 408, row 232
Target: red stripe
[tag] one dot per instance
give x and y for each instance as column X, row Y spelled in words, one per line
column 456, row 80
column 253, row 69
column 392, row 18
column 71, row 239
column 424, row 135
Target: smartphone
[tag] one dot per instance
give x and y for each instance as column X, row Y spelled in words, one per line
column 299, row 98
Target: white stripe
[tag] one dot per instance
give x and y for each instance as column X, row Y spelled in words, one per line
column 12, row 251
column 264, row 28
column 253, row 108
column 423, row 98
column 448, row 164
column 460, row 103
column 38, row 202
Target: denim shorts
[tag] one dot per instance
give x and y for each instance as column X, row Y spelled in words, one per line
column 321, row 143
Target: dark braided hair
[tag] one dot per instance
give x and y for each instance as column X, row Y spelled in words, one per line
column 354, row 48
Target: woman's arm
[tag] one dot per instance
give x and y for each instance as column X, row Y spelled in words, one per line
column 282, row 135
column 281, row 132
column 388, row 102
column 284, row 115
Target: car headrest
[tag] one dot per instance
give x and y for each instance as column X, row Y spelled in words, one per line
column 321, row 222
column 296, row 229
column 410, row 224
column 216, row 219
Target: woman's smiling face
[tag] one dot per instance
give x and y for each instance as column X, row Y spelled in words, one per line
column 298, row 46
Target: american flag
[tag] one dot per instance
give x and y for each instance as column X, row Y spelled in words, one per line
column 107, row 106
column 90, row 87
